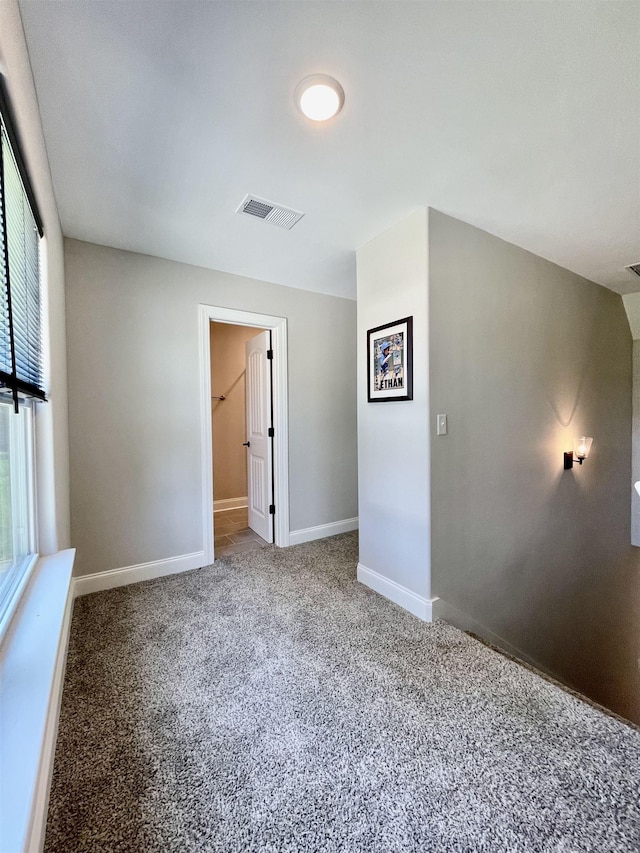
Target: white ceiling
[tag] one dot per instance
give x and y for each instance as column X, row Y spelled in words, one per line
column 520, row 118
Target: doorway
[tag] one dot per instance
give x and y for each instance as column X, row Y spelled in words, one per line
column 232, row 455
column 241, row 519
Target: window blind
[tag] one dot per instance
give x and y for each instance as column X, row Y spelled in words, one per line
column 20, row 230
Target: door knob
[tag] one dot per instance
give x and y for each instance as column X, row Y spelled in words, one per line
column 246, row 444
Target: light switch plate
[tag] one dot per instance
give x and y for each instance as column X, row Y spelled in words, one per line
column 441, row 424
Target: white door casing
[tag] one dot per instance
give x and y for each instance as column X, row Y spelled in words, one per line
column 259, row 449
column 278, row 328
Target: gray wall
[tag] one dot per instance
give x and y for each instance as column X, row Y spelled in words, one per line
column 635, row 467
column 134, row 405
column 524, row 355
column 632, row 306
column 393, row 440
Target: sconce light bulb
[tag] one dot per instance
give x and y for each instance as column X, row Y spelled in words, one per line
column 582, row 446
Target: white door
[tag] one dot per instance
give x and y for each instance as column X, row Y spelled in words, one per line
column 259, row 444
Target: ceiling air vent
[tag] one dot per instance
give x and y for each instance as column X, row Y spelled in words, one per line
column 634, row 268
column 276, row 214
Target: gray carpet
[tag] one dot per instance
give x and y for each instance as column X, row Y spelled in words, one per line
column 271, row 703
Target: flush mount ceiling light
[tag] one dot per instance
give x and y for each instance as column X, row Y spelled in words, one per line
column 319, row 97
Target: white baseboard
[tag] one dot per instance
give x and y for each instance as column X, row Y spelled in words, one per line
column 133, row 574
column 230, row 503
column 308, row 534
column 423, row 608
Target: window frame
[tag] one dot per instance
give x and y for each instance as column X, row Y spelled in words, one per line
column 18, row 577
column 10, row 125
column 14, row 584
column 16, row 328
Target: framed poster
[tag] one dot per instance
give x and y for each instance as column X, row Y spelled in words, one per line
column 390, row 362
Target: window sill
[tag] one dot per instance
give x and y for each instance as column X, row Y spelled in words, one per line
column 32, row 662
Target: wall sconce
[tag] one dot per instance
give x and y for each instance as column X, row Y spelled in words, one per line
column 581, row 447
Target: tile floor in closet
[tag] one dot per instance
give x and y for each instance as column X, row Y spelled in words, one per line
column 232, row 534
